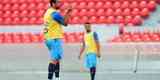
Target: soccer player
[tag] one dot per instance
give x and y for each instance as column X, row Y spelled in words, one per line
column 53, row 33
column 91, row 47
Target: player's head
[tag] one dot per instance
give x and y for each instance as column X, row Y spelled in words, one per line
column 55, row 4
column 87, row 27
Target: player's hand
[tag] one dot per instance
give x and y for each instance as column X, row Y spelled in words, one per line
column 98, row 55
column 79, row 57
column 69, row 9
column 45, row 30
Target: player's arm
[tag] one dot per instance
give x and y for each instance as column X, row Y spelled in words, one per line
column 60, row 19
column 82, row 48
column 97, row 44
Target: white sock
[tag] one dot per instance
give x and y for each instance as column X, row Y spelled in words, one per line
column 57, row 79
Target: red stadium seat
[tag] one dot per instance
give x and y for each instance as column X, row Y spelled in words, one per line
column 99, row 5
column 137, row 20
column 32, row 20
column 24, row 6
column 8, row 20
column 143, row 4
column 75, row 20
column 108, row 4
column 16, row 20
column 119, row 19
column 116, row 5
column 24, row 13
column 33, row 6
column 134, row 4
column 109, row 12
column 32, row 13
column 79, row 36
column 100, row 12
column 90, row 5
column 135, row 12
column 102, row 19
column 34, row 37
column 40, row 13
column 84, row 19
column 8, row 38
column 151, row 5
column 128, row 19
column 1, row 21
column 7, row 13
column 26, row 38
column 17, row 37
column 118, row 12
column 1, row 37
column 91, row 12
column 15, row 6
column 93, row 19
column 125, row 4
column 83, row 12
column 145, row 12
column 111, row 19
column 81, row 5
column 24, row 20
column 15, row 13
column 126, row 12
column 7, row 7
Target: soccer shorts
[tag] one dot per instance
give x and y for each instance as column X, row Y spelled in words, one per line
column 90, row 60
column 55, row 48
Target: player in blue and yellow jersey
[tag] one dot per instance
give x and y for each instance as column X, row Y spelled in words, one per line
column 91, row 47
column 53, row 33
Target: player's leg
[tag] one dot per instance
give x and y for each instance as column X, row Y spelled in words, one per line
column 91, row 64
column 58, row 55
column 51, row 66
column 92, row 72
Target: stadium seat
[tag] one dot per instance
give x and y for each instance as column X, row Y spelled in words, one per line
column 91, row 12
column 144, row 12
column 137, row 20
column 24, row 6
column 102, row 20
column 7, row 13
column 84, row 19
column 100, row 12
column 83, row 12
column 81, row 5
column 16, row 21
column 110, row 19
column 93, row 19
column 90, row 5
column 118, row 12
column 134, row 4
column 116, row 5
column 135, row 12
column 143, row 4
column 119, row 19
column 126, row 12
column 128, row 19
column 24, row 13
column 17, row 37
column 108, row 4
column 8, row 38
column 151, row 5
column 99, row 5
column 109, row 12
column 125, row 5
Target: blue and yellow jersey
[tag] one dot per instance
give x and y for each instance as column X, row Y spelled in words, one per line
column 53, row 21
column 90, row 42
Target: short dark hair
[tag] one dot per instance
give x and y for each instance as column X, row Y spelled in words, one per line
column 87, row 23
column 52, row 1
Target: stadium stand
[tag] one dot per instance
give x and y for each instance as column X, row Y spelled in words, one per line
column 24, row 12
